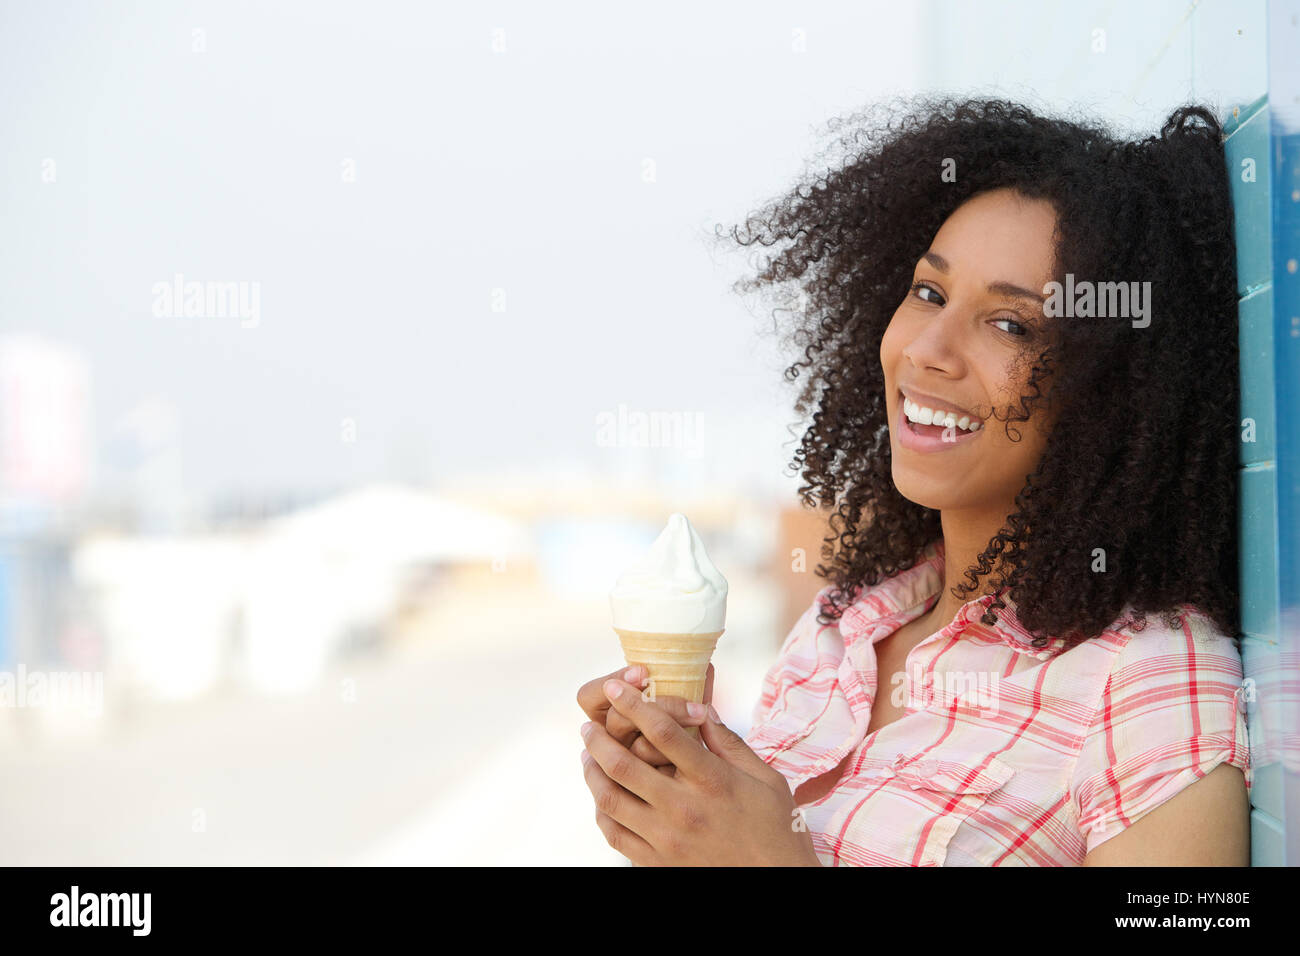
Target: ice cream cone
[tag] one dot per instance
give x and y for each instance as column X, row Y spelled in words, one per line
column 678, row 663
column 669, row 608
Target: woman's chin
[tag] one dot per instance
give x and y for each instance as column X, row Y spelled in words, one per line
column 926, row 492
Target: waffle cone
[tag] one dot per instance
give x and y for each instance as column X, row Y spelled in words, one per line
column 678, row 663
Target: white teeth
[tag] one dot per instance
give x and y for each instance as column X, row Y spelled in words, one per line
column 928, row 416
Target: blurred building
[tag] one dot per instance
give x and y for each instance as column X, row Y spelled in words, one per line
column 268, row 607
column 44, row 471
column 44, row 423
column 802, row 531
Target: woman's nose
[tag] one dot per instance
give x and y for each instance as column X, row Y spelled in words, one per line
column 934, row 346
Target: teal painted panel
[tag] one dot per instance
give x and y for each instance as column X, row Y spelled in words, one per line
column 1255, row 340
column 1267, row 840
column 1284, row 112
column 1258, row 518
column 1235, row 116
column 1247, row 152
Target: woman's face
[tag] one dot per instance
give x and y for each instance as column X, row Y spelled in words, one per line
column 975, row 309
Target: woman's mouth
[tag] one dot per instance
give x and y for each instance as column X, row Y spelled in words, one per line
column 949, row 433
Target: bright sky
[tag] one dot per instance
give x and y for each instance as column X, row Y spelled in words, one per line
column 388, row 180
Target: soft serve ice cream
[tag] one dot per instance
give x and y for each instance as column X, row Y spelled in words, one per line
column 669, row 609
column 674, row 589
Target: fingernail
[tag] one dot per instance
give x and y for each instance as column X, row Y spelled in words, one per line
column 586, row 758
column 612, row 689
column 633, row 675
column 714, row 714
column 586, row 729
column 694, row 709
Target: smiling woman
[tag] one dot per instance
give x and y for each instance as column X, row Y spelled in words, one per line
column 918, row 266
column 1014, row 487
column 979, row 684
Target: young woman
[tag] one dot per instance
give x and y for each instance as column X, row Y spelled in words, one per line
column 980, row 683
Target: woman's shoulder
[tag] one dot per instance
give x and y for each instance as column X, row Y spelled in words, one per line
column 1186, row 633
column 1184, row 668
column 1170, row 710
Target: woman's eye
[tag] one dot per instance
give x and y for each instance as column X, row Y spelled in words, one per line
column 919, row 287
column 924, row 292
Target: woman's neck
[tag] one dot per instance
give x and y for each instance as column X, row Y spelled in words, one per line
column 965, row 536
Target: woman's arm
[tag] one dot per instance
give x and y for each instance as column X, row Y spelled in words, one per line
column 1206, row 824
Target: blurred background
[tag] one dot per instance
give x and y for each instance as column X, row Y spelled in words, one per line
column 348, row 351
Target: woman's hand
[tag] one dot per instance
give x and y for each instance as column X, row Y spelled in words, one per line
column 723, row 807
column 595, row 704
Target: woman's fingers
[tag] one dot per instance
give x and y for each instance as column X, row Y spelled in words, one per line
column 639, row 786
column 625, row 841
column 663, row 731
column 591, row 698
column 622, row 816
column 642, row 747
column 622, row 729
column 594, row 703
column 645, row 750
column 591, row 695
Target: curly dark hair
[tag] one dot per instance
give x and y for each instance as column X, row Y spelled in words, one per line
column 1143, row 459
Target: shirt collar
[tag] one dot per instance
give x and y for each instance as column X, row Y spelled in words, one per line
column 907, row 593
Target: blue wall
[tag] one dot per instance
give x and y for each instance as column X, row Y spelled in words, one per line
column 1263, row 155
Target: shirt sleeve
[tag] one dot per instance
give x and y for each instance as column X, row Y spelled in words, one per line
column 1172, row 709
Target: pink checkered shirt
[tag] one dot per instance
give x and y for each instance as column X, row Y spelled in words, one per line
column 1005, row 754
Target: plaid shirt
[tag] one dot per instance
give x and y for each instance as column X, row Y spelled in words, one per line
column 1005, row 754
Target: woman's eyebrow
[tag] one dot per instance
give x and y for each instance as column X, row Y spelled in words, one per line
column 1000, row 288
